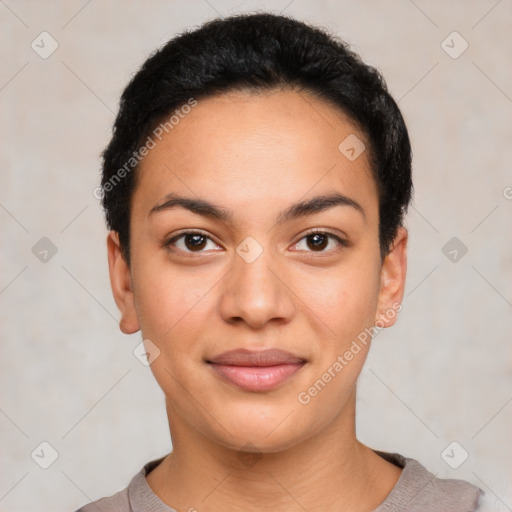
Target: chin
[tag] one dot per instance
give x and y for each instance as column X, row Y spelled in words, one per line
column 257, row 430
column 251, row 442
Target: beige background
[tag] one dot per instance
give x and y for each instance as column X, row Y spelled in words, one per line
column 68, row 375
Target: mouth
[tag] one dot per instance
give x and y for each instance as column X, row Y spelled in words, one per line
column 256, row 371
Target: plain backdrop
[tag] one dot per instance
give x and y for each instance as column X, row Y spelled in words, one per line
column 69, row 377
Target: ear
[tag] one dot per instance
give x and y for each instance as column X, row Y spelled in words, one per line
column 392, row 281
column 121, row 284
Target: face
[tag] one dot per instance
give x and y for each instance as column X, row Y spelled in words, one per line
column 237, row 267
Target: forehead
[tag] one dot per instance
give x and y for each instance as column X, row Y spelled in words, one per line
column 250, row 150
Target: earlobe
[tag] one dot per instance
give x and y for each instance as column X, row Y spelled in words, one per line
column 392, row 280
column 120, row 282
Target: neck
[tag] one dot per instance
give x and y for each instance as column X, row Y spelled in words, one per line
column 324, row 472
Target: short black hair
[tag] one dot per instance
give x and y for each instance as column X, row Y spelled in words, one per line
column 259, row 52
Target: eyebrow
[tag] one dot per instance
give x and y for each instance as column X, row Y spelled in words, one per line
column 298, row 210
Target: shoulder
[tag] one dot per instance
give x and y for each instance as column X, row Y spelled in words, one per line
column 119, row 502
column 134, row 497
column 418, row 489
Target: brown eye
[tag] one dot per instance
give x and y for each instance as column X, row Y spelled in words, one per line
column 194, row 242
column 318, row 242
column 191, row 242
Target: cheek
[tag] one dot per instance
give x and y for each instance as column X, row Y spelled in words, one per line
column 173, row 310
column 345, row 300
column 172, row 307
column 346, row 303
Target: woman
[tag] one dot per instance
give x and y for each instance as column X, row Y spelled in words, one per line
column 255, row 188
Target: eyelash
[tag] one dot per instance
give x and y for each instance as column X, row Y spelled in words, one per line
column 322, row 231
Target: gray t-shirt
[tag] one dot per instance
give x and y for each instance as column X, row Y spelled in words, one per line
column 417, row 490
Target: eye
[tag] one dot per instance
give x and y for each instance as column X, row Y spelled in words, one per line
column 196, row 242
column 317, row 241
column 191, row 241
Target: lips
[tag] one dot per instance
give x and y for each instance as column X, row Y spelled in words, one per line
column 256, row 371
column 244, row 357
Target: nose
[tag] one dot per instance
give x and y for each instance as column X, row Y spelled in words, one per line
column 257, row 292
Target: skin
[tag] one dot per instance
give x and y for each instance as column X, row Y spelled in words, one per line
column 254, row 155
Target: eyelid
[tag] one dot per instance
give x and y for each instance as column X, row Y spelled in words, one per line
column 342, row 240
column 190, row 231
column 193, row 231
